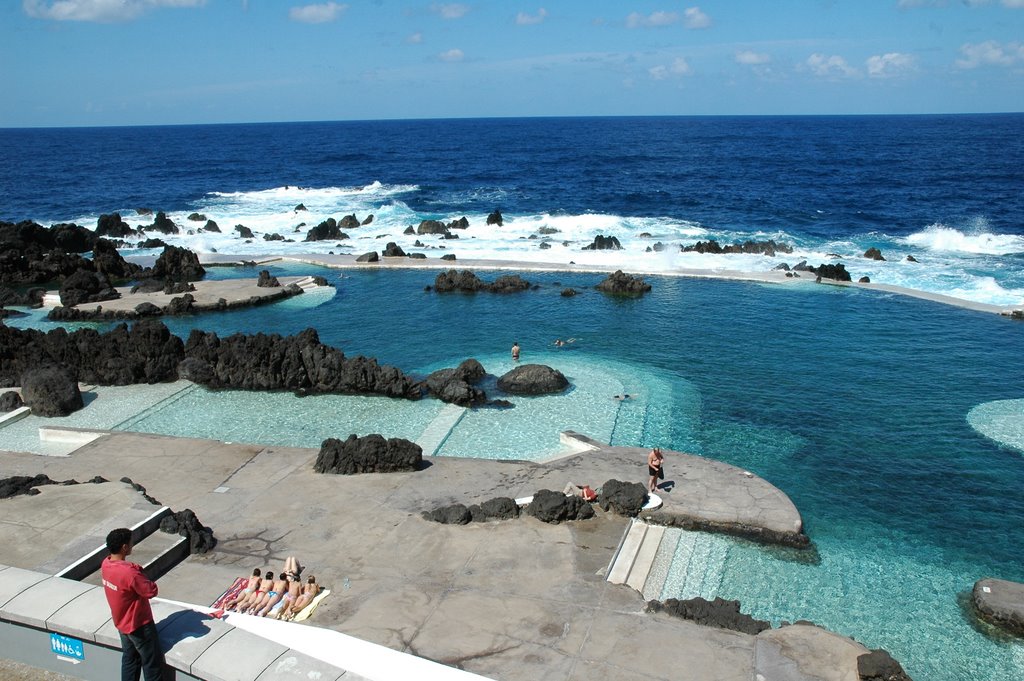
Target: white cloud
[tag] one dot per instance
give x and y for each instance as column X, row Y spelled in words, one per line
column 889, row 65
column 990, row 53
column 751, row 58
column 679, row 67
column 452, row 55
column 98, row 10
column 694, row 18
column 830, row 67
column 1014, row 4
column 450, row 10
column 415, row 39
column 655, row 19
column 317, row 14
column 524, row 19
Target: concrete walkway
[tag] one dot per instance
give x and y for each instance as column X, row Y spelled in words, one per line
column 511, row 600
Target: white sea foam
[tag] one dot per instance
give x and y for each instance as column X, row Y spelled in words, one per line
column 939, row 237
column 951, row 262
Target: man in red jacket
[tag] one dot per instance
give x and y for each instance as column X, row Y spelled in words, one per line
column 128, row 591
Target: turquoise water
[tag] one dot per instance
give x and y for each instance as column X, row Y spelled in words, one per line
column 853, row 403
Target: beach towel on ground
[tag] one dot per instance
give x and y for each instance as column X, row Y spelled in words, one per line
column 232, row 592
column 308, row 610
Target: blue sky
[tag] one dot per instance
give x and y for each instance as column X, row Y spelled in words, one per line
column 131, row 62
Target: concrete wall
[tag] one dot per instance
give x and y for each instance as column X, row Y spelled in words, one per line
column 34, row 606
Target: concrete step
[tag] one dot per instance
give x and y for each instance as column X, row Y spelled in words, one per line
column 645, row 557
column 622, row 564
column 436, row 432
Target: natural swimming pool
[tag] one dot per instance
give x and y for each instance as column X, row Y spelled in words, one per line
column 853, row 403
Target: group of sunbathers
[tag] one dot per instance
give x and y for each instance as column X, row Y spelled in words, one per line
column 282, row 598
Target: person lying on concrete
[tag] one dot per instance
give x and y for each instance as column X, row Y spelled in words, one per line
column 282, row 607
column 275, row 595
column 292, row 568
column 247, row 592
column 258, row 598
column 309, row 592
column 583, row 491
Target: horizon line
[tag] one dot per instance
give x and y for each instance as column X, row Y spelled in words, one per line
column 512, row 118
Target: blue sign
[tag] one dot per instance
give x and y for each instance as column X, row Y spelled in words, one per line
column 67, row 648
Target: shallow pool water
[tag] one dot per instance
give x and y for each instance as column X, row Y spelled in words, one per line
column 856, row 405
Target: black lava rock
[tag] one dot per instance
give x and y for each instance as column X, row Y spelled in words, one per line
column 879, row 665
column 369, row 454
column 533, row 379
column 769, row 248
column 623, row 498
column 326, row 231
column 186, row 524
column 393, row 250
column 554, row 507
column 834, row 272
column 178, row 264
column 267, row 281
column 244, row 232
column 85, row 286
column 164, row 224
column 455, row 514
column 456, row 385
column 873, row 254
column 432, row 227
column 51, row 391
column 495, row 218
column 717, row 613
column 368, row 257
column 9, row 401
column 113, row 226
column 621, row 284
column 604, row 243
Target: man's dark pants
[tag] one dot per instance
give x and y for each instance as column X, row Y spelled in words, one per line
column 141, row 652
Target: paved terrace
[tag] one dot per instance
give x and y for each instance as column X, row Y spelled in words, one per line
column 508, row 600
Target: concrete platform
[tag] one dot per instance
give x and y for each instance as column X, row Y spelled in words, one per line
column 511, row 600
column 208, row 294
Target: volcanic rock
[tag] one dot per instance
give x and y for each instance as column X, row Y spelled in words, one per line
column 107, row 260
column 267, row 281
column 621, row 284
column 153, row 243
column 244, row 232
column 498, row 508
column 878, row 665
column 326, row 231
column 178, row 264
column 174, row 288
column 873, row 254
column 623, row 498
column 911, row 258
column 51, row 391
column 349, row 222
column 164, row 224
column 769, row 248
column 368, row 220
column 369, row 454
column 431, row 227
column 113, row 226
column 554, row 507
column 533, row 379
column 9, row 401
column 568, row 292
column 86, row 287
column 273, row 237
column 186, row 524
column 604, row 243
column 836, row 272
column 393, row 250
column 718, row 613
column 448, row 256
column 456, row 385
column 299, row 363
column 211, row 226
column 495, row 218
column 409, row 230
column 368, row 257
column 461, row 223
column 454, row 514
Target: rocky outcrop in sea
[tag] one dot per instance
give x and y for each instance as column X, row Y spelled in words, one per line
column 466, row 281
column 620, row 284
column 533, row 379
column 769, row 247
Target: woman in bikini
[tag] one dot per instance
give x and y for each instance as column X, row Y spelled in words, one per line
column 655, row 468
column 275, row 595
column 309, row 592
column 260, row 597
column 294, row 590
column 249, row 590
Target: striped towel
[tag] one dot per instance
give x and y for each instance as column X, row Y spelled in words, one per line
column 232, row 592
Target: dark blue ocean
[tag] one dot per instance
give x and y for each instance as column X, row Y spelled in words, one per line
column 896, row 425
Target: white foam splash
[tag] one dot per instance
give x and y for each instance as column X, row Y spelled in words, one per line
column 939, row 237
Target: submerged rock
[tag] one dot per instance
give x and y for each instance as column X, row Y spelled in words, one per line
column 621, row 284
column 533, row 379
column 879, row 665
